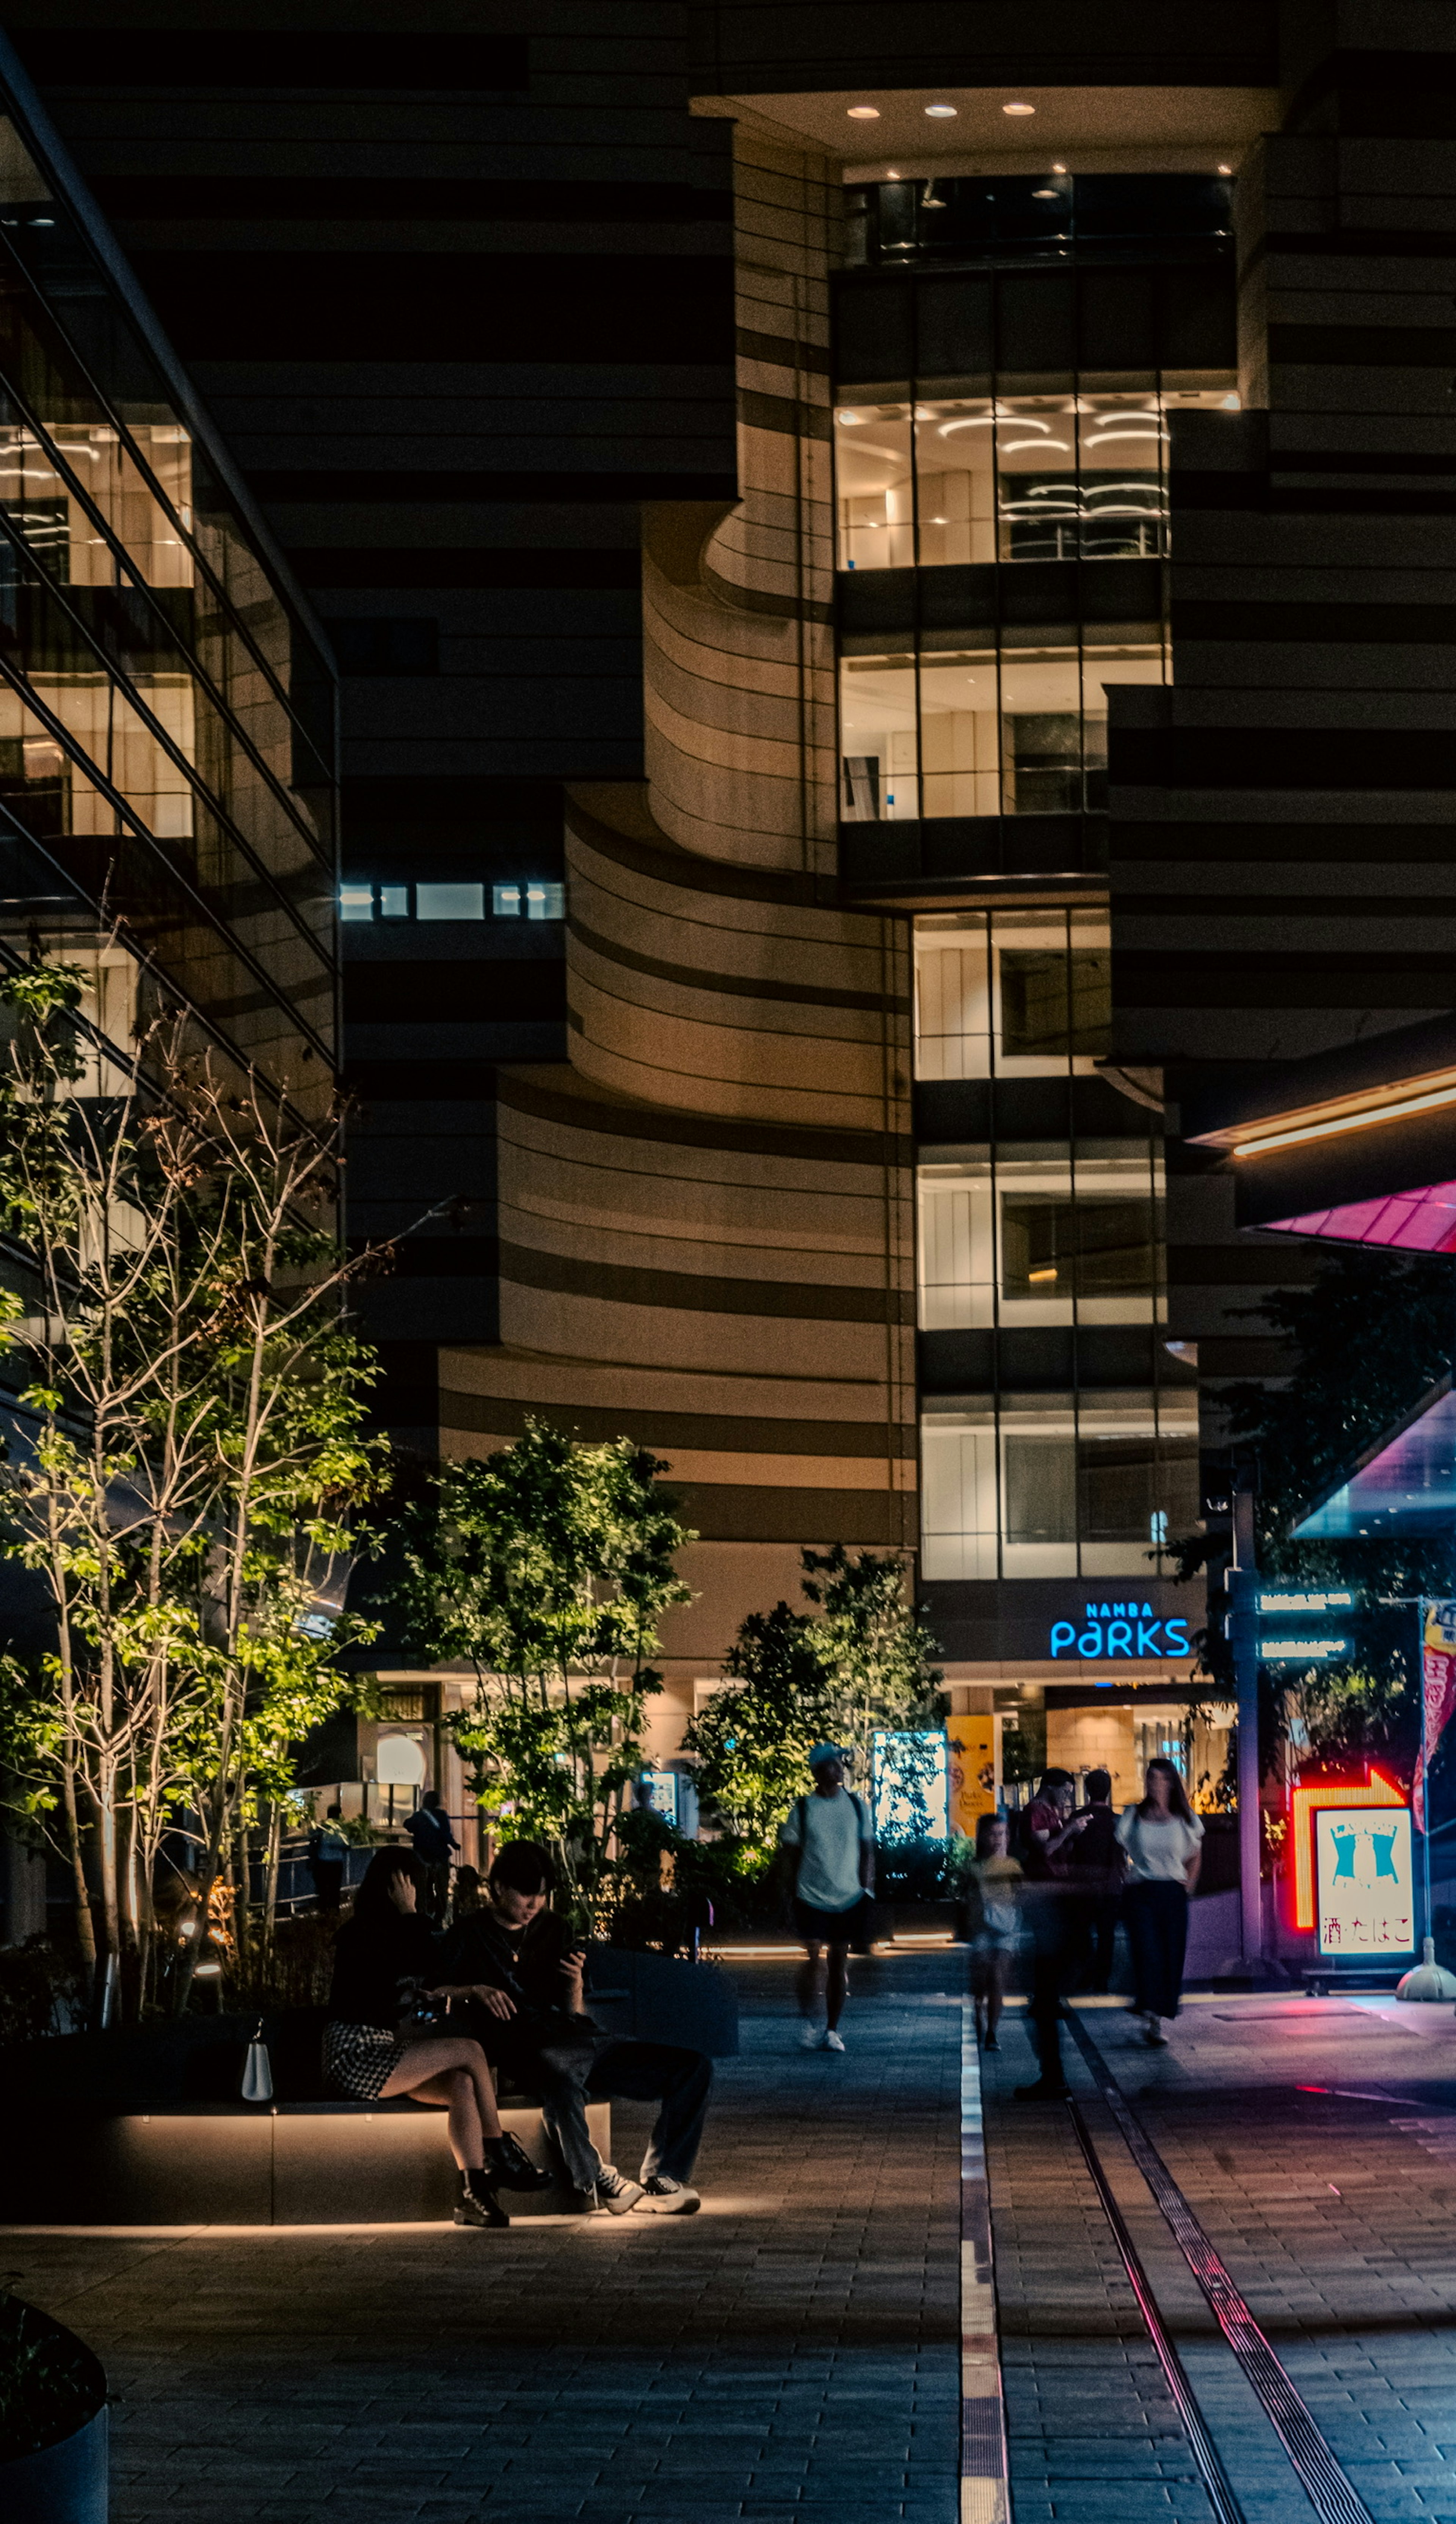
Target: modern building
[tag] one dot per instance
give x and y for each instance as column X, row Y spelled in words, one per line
column 167, row 708
column 891, row 571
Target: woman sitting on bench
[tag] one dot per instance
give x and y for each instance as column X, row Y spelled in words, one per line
column 379, row 2040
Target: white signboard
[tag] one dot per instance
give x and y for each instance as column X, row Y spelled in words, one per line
column 1365, row 1881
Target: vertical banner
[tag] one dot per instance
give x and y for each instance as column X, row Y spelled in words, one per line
column 973, row 1779
column 1438, row 1689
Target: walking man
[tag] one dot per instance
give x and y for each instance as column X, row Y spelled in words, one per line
column 830, row 1838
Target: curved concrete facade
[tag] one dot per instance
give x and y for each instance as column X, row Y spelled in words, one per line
column 705, row 1215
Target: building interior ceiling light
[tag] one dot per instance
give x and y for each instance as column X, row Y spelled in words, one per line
column 863, row 113
column 1018, row 108
column 942, row 112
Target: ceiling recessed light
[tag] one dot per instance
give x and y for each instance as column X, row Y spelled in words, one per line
column 893, row 175
column 1226, row 171
column 1018, row 108
column 941, row 111
column 863, row 113
column 1044, row 193
column 1058, row 168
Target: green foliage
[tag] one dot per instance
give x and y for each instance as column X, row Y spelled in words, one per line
column 861, row 1662
column 751, row 1741
column 50, row 2384
column 198, row 1463
column 546, row 1569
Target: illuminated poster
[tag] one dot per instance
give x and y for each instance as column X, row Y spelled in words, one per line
column 1438, row 1683
column 972, row 1742
column 911, row 1783
column 1365, row 1881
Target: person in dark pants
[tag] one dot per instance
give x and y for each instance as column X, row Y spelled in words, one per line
column 1162, row 1838
column 430, row 1829
column 526, row 1981
column 1096, row 1870
column 327, row 1851
column 1049, row 1901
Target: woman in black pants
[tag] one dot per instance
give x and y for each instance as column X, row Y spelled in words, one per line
column 1162, row 1837
column 385, row 1961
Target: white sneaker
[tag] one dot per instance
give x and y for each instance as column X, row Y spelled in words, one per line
column 616, row 2191
column 664, row 2198
column 831, row 2042
column 1156, row 2038
column 810, row 2036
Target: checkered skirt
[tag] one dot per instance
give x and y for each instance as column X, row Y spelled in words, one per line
column 359, row 2060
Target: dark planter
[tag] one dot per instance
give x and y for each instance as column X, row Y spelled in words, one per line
column 61, row 2402
column 66, row 2484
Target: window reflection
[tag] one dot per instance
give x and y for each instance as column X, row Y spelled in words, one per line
column 959, row 741
column 875, row 492
column 955, row 483
column 1036, row 463
column 877, row 738
column 1023, row 478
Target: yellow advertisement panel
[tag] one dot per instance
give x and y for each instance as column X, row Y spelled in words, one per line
column 972, row 1742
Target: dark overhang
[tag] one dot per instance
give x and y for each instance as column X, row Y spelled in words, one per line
column 1352, row 1146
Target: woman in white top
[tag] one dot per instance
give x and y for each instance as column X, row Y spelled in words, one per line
column 1162, row 1839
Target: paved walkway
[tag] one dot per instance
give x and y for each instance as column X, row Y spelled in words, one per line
column 1316, row 2142
column 790, row 2353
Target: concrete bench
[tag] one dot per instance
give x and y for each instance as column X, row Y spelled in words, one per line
column 321, row 2163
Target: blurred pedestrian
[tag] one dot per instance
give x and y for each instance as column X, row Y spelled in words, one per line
column 996, row 1876
column 830, row 1840
column 329, row 1850
column 1095, row 1863
column 1162, row 1837
column 1048, row 1830
column 467, row 1893
column 429, row 1829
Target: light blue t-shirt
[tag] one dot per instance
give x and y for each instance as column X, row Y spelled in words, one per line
column 834, row 1830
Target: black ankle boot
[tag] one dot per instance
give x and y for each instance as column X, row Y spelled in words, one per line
column 477, row 2204
column 507, row 2165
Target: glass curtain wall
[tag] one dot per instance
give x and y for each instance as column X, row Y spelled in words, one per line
column 1040, row 1235
column 166, row 776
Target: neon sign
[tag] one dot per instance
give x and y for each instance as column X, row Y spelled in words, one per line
column 1120, row 1631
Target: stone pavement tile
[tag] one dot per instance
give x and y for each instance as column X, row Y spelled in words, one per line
column 797, row 2335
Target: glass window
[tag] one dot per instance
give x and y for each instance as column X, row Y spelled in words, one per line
column 449, row 903
column 877, row 739
column 1041, row 732
column 955, row 483
column 1121, row 439
column 394, row 902
column 505, row 901
column 956, row 1246
column 959, row 734
column 952, row 998
column 874, row 486
column 959, row 1500
column 1136, row 1480
column 1056, row 1244
column 1036, row 458
column 545, row 902
column 1055, row 999
column 356, row 902
column 1032, row 1241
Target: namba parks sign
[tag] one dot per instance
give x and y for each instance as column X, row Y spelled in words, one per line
column 1120, row 1630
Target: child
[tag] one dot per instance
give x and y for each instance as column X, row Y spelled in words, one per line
column 996, row 1876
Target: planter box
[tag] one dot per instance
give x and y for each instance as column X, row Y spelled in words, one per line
column 66, row 2484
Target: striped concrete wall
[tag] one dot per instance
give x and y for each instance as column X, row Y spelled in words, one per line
column 704, row 1217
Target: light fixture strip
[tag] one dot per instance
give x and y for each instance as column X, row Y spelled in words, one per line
column 1302, row 1132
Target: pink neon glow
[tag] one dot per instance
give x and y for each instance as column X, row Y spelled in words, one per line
column 1423, row 1221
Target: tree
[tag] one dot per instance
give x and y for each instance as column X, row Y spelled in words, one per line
column 196, row 1457
column 861, row 1663
column 752, row 1739
column 545, row 1568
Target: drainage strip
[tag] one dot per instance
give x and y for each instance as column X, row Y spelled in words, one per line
column 1331, row 2496
column 984, row 2492
column 1205, row 2453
